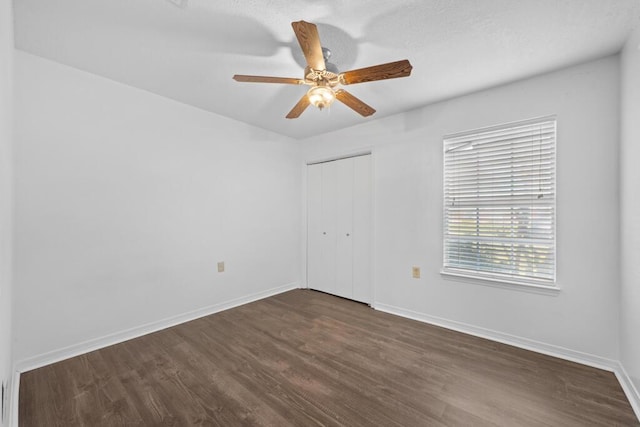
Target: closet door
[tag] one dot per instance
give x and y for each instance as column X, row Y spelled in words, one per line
column 344, row 227
column 362, row 226
column 328, row 239
column 315, row 268
column 339, row 228
column 321, row 236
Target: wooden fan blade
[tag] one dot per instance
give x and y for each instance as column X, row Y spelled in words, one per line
column 309, row 40
column 354, row 103
column 390, row 70
column 266, row 79
column 299, row 107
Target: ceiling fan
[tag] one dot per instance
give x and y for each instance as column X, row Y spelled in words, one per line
column 324, row 77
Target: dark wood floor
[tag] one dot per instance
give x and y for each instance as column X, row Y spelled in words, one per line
column 304, row 358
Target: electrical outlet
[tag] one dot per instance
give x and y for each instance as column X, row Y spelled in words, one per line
column 221, row 267
column 416, row 272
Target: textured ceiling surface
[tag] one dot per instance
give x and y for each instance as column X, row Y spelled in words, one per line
column 188, row 50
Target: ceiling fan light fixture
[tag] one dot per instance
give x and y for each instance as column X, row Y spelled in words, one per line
column 321, row 96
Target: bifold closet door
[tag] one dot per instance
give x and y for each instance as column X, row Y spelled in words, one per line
column 362, row 225
column 339, row 228
column 342, row 170
column 318, row 258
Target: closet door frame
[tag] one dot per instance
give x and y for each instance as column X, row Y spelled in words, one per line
column 371, row 236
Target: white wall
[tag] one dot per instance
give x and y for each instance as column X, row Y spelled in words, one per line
column 630, row 209
column 407, row 150
column 125, row 201
column 6, row 70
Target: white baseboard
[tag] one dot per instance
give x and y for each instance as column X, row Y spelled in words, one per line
column 121, row 336
column 629, row 388
column 527, row 344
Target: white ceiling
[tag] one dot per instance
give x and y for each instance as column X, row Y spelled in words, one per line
column 188, row 50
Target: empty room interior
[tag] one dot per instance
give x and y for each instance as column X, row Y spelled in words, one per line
column 327, row 213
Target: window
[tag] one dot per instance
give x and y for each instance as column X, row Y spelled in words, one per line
column 499, row 203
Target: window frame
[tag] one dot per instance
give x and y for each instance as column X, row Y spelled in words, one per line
column 537, row 285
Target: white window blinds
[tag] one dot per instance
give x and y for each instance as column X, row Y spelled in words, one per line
column 499, row 202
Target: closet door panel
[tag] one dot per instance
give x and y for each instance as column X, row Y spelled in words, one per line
column 329, row 237
column 344, row 227
column 362, row 229
column 314, row 227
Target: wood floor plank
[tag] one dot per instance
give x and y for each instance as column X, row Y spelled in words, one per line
column 304, row 358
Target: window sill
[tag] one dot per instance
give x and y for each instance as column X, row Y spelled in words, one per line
column 501, row 283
